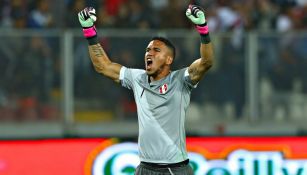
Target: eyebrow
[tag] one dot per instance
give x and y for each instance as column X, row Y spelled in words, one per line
column 155, row 48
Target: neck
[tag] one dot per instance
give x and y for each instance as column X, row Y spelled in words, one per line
column 159, row 76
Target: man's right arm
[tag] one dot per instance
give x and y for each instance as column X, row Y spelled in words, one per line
column 99, row 58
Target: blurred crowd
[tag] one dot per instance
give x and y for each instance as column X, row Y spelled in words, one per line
column 283, row 60
column 222, row 15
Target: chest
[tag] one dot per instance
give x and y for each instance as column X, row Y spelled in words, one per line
column 162, row 94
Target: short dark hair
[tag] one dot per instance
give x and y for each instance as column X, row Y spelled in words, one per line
column 167, row 42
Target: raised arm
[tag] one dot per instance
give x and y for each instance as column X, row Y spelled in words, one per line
column 103, row 64
column 99, row 58
column 200, row 66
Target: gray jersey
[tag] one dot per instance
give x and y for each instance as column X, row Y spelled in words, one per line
column 161, row 107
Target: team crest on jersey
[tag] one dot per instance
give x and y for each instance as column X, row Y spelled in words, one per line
column 163, row 89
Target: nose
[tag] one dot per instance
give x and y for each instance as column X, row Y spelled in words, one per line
column 149, row 53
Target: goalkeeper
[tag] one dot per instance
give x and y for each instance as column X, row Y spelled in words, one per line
column 162, row 95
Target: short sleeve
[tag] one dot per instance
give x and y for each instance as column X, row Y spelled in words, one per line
column 128, row 76
column 187, row 79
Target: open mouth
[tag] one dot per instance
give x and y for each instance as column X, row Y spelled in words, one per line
column 148, row 63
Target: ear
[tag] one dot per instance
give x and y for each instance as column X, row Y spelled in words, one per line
column 169, row 60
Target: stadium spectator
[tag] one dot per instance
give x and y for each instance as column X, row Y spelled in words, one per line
column 263, row 16
column 13, row 14
column 235, row 16
column 72, row 9
column 139, row 17
column 112, row 6
column 41, row 16
column 174, row 10
column 157, row 5
column 34, row 74
column 225, row 15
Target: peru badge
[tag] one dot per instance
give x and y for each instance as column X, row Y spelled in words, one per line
column 163, row 89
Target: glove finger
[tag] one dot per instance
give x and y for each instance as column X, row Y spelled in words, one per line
column 195, row 9
column 188, row 12
column 80, row 15
column 92, row 13
column 93, row 18
column 193, row 18
column 83, row 14
column 86, row 14
column 200, row 14
column 91, row 10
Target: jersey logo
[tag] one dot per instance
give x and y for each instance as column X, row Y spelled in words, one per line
column 163, row 89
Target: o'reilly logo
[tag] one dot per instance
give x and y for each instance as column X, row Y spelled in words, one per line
column 243, row 162
column 118, row 159
column 122, row 159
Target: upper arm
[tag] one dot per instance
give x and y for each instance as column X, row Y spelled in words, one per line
column 200, row 66
column 103, row 64
column 196, row 71
column 112, row 71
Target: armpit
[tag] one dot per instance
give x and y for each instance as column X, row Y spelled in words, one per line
column 188, row 78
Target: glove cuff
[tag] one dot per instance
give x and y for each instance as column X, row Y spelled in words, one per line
column 202, row 29
column 89, row 32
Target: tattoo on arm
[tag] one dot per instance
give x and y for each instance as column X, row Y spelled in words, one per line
column 193, row 72
column 98, row 51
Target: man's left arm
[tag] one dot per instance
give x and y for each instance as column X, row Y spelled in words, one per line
column 200, row 66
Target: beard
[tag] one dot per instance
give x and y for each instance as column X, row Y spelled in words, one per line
column 154, row 73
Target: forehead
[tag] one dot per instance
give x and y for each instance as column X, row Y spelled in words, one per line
column 156, row 43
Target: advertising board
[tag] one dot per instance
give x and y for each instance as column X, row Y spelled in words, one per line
column 208, row 156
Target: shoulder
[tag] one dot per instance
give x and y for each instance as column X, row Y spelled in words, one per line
column 131, row 73
column 180, row 73
column 136, row 71
column 128, row 76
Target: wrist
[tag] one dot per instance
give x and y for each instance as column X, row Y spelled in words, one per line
column 202, row 29
column 89, row 32
column 205, row 39
column 93, row 40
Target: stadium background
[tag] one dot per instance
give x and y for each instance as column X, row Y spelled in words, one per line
column 48, row 87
